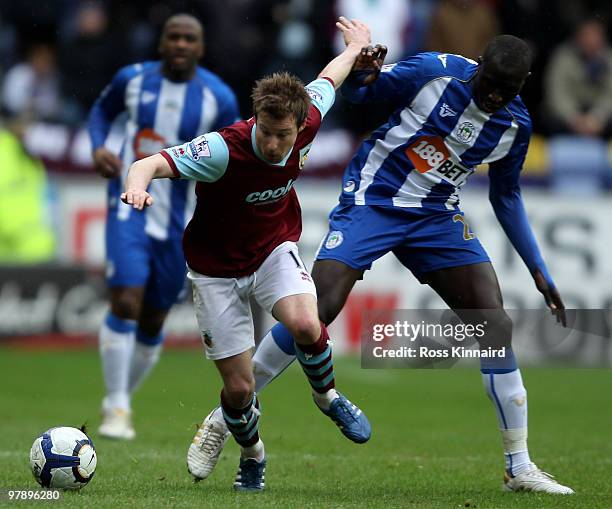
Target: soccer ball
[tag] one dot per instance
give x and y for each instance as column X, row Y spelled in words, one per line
column 63, row 458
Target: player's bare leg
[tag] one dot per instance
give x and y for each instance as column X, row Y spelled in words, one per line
column 276, row 351
column 116, row 346
column 473, row 290
column 241, row 413
column 298, row 313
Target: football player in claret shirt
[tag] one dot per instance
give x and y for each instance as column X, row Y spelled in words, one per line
column 401, row 194
column 167, row 102
column 241, row 242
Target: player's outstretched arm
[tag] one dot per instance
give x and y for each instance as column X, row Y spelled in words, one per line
column 507, row 202
column 357, row 37
column 139, row 177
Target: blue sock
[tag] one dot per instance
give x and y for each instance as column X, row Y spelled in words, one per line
column 283, row 339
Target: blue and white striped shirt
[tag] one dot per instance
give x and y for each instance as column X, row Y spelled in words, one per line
column 160, row 113
column 432, row 143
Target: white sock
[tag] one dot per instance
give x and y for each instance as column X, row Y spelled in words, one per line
column 269, row 361
column 144, row 358
column 509, row 397
column 324, row 400
column 255, row 451
column 116, row 343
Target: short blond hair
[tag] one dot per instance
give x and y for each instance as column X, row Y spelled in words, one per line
column 279, row 95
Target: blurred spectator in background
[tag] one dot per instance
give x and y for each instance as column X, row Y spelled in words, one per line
column 302, row 31
column 388, row 21
column 89, row 57
column 25, row 234
column 462, row 27
column 33, row 86
column 241, row 40
column 167, row 102
column 578, row 84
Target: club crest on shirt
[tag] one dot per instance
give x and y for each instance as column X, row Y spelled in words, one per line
column 465, row 132
column 303, row 156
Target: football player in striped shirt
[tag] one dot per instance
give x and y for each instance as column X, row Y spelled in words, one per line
column 401, row 194
column 167, row 102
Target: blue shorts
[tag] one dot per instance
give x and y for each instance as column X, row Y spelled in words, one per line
column 422, row 240
column 134, row 259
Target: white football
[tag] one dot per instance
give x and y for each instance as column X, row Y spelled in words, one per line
column 63, row 458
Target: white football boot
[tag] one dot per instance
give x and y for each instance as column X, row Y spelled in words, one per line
column 116, row 423
column 535, row 480
column 207, row 445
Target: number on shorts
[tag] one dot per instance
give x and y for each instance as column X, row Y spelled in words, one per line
column 467, row 234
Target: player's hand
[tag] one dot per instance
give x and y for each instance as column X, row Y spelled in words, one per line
column 137, row 198
column 371, row 59
column 106, row 163
column 354, row 31
column 552, row 297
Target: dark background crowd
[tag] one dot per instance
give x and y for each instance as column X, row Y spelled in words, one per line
column 57, row 55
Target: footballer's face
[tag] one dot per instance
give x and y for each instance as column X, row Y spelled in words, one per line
column 181, row 46
column 274, row 137
column 494, row 88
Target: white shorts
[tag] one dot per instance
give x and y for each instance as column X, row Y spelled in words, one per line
column 222, row 304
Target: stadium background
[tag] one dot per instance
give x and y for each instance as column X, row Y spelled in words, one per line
column 52, row 301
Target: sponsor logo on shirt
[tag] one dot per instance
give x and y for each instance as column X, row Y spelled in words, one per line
column 178, row 151
column 429, row 154
column 269, row 195
column 387, row 67
column 147, row 142
column 349, row 187
column 305, row 276
column 315, row 95
column 198, row 148
column 207, row 337
column 447, row 111
column 148, row 97
column 334, row 239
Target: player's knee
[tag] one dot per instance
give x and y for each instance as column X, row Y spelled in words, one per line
column 238, row 391
column 498, row 330
column 327, row 314
column 304, row 329
column 126, row 306
column 151, row 323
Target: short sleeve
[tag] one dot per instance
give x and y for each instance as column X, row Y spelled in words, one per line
column 322, row 94
column 205, row 158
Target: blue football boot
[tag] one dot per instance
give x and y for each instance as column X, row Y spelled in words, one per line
column 251, row 475
column 350, row 419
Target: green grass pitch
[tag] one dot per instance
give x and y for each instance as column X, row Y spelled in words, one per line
column 435, row 441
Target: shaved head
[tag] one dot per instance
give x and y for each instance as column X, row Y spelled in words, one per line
column 181, row 46
column 508, row 54
column 502, row 72
column 184, row 19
